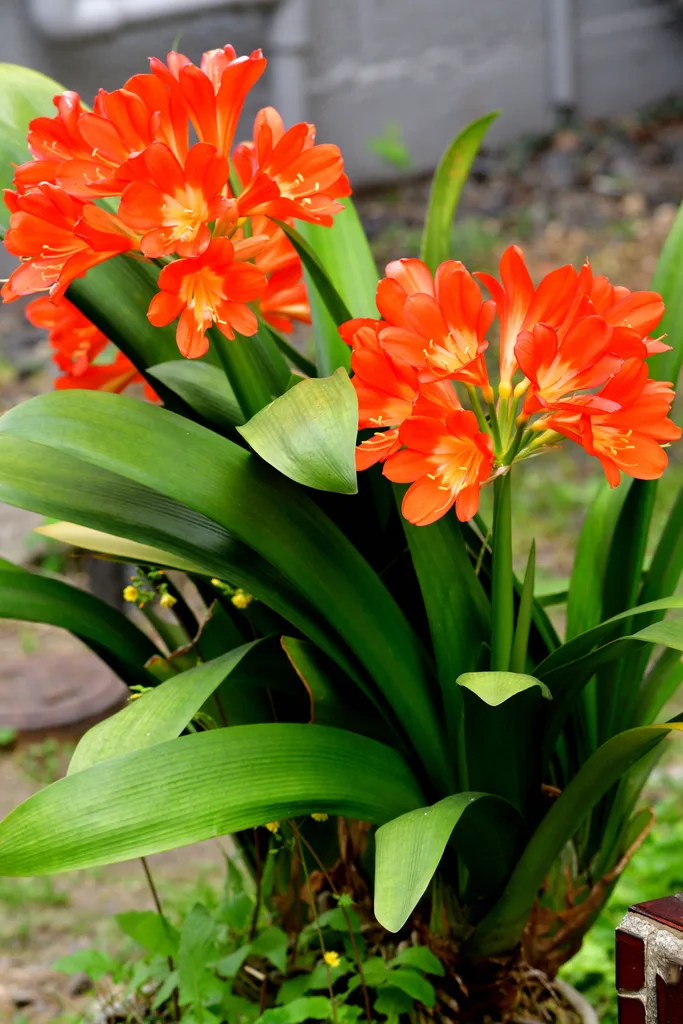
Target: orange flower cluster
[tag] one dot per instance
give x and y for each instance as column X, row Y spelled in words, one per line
column 174, row 201
column 80, row 349
column 577, row 344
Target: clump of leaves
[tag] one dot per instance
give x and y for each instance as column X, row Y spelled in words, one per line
column 227, row 962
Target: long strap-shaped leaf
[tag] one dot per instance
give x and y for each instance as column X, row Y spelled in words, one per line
column 449, row 178
column 200, row 786
column 502, row 927
column 32, row 598
column 159, row 715
column 53, row 484
column 410, row 848
column 209, row 475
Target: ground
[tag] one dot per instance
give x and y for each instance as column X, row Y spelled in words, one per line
column 604, row 191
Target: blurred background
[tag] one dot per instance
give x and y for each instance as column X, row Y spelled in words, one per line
column 585, row 160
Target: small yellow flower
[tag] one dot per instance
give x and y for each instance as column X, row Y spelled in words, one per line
column 134, row 696
column 241, row 599
column 130, row 593
column 167, row 600
column 215, row 582
column 273, row 826
column 320, row 816
column 331, row 958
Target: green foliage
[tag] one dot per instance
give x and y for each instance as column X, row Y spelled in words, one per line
column 226, row 961
column 391, row 147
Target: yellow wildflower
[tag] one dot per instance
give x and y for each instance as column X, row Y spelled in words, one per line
column 331, row 958
column 320, row 816
column 130, row 593
column 167, row 600
column 241, row 599
column 273, row 826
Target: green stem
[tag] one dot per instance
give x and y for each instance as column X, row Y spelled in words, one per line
column 495, row 429
column 243, row 372
column 477, row 409
column 502, row 589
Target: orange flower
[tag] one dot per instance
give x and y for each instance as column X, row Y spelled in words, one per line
column 77, row 343
column 558, row 367
column 448, row 460
column 636, row 314
column 210, row 289
column 172, row 205
column 438, row 326
column 388, row 392
column 629, row 439
column 58, row 239
column 286, row 175
column 520, row 306
column 213, row 93
column 285, row 298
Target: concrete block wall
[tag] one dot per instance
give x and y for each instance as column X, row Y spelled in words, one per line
column 430, row 66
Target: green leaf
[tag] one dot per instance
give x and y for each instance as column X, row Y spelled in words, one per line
column 408, row 852
column 501, row 929
column 292, row 355
column 151, row 931
column 318, row 275
column 243, row 366
column 200, row 786
column 111, row 442
column 393, row 1002
column 156, row 716
column 414, row 985
column 495, row 688
column 197, row 948
column 668, row 281
column 107, row 544
column 502, row 576
column 32, row 598
column 299, row 1010
column 421, row 958
column 24, row 94
column 504, row 715
column 584, row 604
column 88, row 961
column 309, row 433
column 447, row 184
column 271, row 943
column 205, row 388
column 457, row 608
column 520, row 643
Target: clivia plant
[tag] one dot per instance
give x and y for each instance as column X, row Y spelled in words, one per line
column 347, row 644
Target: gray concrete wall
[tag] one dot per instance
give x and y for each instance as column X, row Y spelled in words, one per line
column 429, row 66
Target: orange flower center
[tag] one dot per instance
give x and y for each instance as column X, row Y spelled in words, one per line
column 202, row 292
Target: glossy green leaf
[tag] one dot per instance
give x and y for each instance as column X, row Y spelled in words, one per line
column 414, row 985
column 668, row 281
column 331, row 702
column 57, row 485
column 494, row 688
column 504, row 715
column 205, row 388
column 502, row 928
column 24, row 94
column 106, row 544
column 156, row 716
column 309, row 433
column 449, row 178
column 200, row 786
column 457, row 608
column 408, row 852
column 227, row 490
column 520, row 642
column 318, row 275
column 29, row 597
column 291, row 354
column 584, row 603
column 580, row 646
